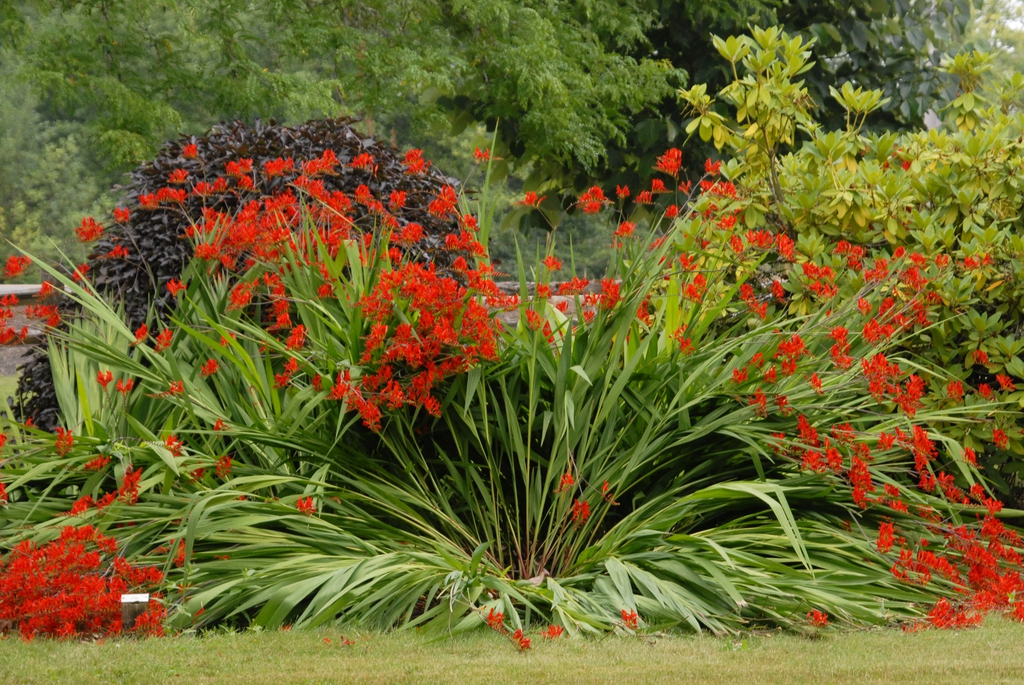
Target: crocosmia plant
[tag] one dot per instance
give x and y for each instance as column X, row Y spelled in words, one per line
column 732, row 428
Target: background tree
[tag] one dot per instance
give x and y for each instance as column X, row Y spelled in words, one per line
column 578, row 92
column 999, row 27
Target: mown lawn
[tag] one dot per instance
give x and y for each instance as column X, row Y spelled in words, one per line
column 990, row 654
column 8, row 384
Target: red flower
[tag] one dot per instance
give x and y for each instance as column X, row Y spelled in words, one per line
column 239, row 168
column 104, row 378
column 207, row 251
column 189, row 151
column 609, row 296
column 685, row 343
column 224, row 467
column 71, row 586
column 778, row 292
column 88, row 230
column 209, row 368
column 125, row 388
column 552, row 632
column 592, row 201
column 1005, row 382
column 15, row 266
column 630, row 618
column 173, row 444
column 522, row 642
column 1000, row 439
column 119, row 252
column 65, row 441
column 282, row 379
column 574, row 287
column 241, row 295
column 96, row 463
column 955, row 390
column 176, row 195
column 362, row 161
column 886, row 538
column 670, row 162
column 444, row 203
column 815, row 383
column 566, row 483
column 712, row 168
column 396, row 200
column 297, row 339
column 482, row 155
column 277, row 167
column 496, row 620
column 414, row 162
column 411, row 233
column 178, row 176
column 174, row 286
column 306, row 506
column 625, row 229
column 552, row 263
column 622, row 192
column 580, row 512
column 531, row 200
column 944, row 615
column 121, row 215
column 163, row 340
column 817, row 618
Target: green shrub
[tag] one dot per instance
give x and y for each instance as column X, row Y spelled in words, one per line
column 952, row 195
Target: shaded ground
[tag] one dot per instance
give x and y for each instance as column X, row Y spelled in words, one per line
column 991, row 654
column 10, row 357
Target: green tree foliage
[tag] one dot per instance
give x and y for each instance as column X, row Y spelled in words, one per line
column 999, row 27
column 575, row 89
column 49, row 180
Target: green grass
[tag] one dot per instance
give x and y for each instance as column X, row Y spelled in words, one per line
column 991, row 654
column 8, row 384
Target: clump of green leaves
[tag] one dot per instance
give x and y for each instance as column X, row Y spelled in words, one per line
column 951, row 195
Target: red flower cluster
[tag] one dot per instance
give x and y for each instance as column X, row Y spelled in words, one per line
column 7, row 333
column 89, row 230
column 818, row 619
column 592, row 201
column 405, row 362
column 72, row 587
column 552, row 632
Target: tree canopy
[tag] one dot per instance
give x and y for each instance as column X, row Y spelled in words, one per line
column 577, row 92
column 579, row 87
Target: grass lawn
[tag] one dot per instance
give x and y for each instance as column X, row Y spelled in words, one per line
column 8, row 384
column 990, row 654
